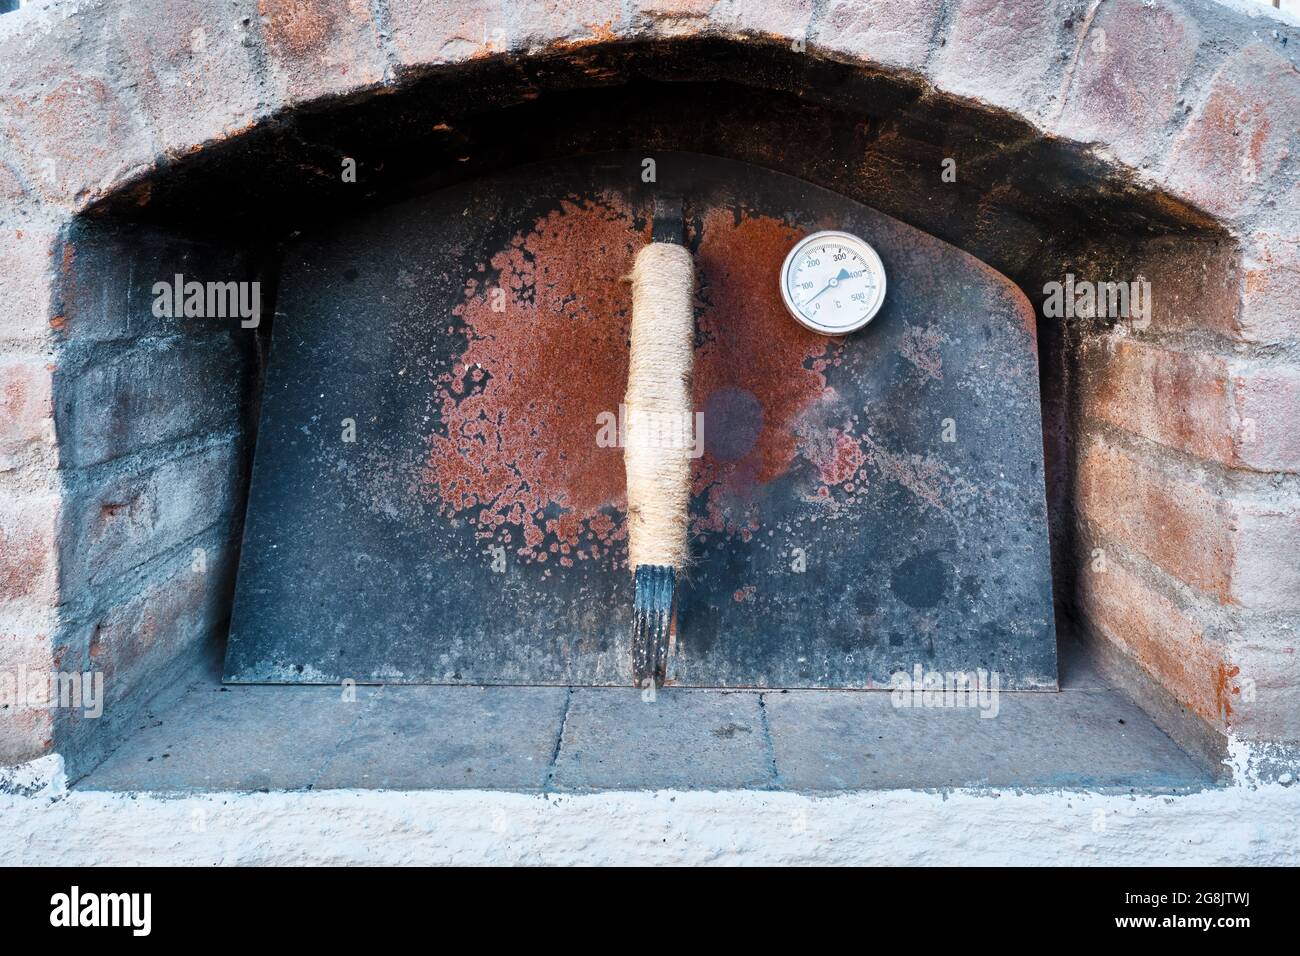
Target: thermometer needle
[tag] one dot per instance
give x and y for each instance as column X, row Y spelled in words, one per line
column 844, row 274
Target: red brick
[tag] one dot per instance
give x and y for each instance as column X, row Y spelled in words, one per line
column 27, row 282
column 896, row 34
column 1159, row 636
column 1266, row 571
column 26, row 411
column 1237, row 550
column 1174, row 398
column 26, row 733
column 1270, row 290
column 76, row 133
column 1010, row 53
column 1226, row 158
column 785, row 19
column 1230, row 411
column 1195, row 284
column 1126, row 82
column 12, row 187
column 429, row 31
column 321, row 47
column 1268, row 678
column 28, row 534
column 1178, row 524
column 192, row 69
column 1266, row 426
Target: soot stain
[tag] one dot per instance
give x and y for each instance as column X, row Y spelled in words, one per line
column 921, row 581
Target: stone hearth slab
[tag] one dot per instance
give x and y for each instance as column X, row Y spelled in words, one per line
column 419, row 738
column 235, row 738
column 1087, row 736
column 681, row 740
column 1091, row 739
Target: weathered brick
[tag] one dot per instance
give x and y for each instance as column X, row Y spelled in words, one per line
column 1266, row 572
column 426, row 32
column 1178, row 399
column 680, row 9
column 12, row 186
column 26, row 410
column 25, row 732
column 678, row 18
column 152, row 393
column 163, row 620
column 429, row 32
column 27, row 282
column 1266, row 427
column 1163, row 639
column 1270, row 288
column 1238, row 550
column 192, row 68
column 1268, row 674
column 1177, row 523
column 321, row 47
column 790, row 20
column 28, row 533
column 1013, row 54
column 1227, row 410
column 1195, row 284
column 896, row 34
column 109, row 276
column 1226, row 158
column 119, row 524
column 1128, row 76
column 77, row 133
column 1246, row 293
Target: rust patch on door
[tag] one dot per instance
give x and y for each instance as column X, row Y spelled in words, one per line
column 546, row 325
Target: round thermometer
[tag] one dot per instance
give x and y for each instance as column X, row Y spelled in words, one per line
column 833, row 282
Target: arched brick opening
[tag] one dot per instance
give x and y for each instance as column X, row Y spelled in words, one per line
column 1171, row 479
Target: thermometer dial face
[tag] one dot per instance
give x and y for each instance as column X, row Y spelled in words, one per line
column 833, row 282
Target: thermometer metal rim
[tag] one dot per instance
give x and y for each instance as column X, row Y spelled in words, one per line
column 857, row 245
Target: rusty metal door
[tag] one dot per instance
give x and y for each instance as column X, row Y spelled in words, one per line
column 436, row 497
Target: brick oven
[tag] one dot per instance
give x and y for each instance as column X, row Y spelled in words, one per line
column 1066, row 144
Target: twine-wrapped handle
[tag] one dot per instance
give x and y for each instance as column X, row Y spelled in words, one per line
column 657, row 407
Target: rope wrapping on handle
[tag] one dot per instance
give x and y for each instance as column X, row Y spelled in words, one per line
column 657, row 408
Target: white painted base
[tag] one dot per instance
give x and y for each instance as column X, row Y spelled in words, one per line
column 1246, row 823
